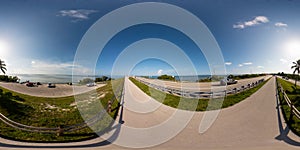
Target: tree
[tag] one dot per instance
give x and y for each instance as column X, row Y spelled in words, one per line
column 166, row 77
column 2, row 66
column 296, row 68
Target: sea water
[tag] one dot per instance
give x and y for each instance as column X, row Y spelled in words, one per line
column 53, row 78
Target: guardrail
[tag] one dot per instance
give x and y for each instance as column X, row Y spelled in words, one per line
column 293, row 109
column 201, row 94
column 60, row 130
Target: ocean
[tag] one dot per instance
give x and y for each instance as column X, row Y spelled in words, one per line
column 53, row 78
column 63, row 78
column 187, row 78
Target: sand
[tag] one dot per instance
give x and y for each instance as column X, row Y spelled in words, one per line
column 61, row 90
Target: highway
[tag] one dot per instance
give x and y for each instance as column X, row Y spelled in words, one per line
column 203, row 89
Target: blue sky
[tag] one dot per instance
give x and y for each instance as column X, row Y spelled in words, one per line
column 255, row 36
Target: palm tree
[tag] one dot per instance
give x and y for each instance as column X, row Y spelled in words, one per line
column 296, row 70
column 2, row 66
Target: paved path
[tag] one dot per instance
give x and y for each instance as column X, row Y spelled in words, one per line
column 253, row 124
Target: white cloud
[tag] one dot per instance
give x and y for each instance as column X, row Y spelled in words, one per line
column 247, row 63
column 77, row 15
column 159, row 72
column 238, row 26
column 256, row 21
column 260, row 67
column 283, row 60
column 241, row 65
column 228, row 63
column 280, row 24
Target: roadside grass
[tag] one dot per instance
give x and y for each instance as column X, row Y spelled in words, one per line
column 191, row 103
column 294, row 96
column 51, row 112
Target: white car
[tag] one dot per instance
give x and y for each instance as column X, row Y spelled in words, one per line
column 228, row 81
column 91, row 84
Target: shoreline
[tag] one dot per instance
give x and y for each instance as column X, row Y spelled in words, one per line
column 61, row 90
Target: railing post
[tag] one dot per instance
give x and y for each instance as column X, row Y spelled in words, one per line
column 109, row 107
column 291, row 113
column 60, row 131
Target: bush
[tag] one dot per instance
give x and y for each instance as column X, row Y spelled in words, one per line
column 166, row 77
column 245, row 76
column 6, row 78
column 86, row 81
column 103, row 78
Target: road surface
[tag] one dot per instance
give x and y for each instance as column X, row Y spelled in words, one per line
column 61, row 90
column 253, row 124
column 201, row 86
column 290, row 80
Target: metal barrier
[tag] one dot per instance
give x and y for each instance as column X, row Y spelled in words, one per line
column 60, row 130
column 201, row 94
column 293, row 109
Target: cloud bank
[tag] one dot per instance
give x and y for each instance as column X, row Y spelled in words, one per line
column 256, row 21
column 77, row 14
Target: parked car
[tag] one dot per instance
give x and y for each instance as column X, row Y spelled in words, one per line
column 228, row 81
column 51, row 85
column 29, row 84
column 286, row 78
column 91, row 84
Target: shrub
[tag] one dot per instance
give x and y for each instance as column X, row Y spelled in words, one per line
column 86, row 81
column 166, row 77
column 6, row 78
column 103, row 78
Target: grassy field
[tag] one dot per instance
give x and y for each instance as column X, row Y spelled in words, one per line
column 52, row 112
column 294, row 96
column 188, row 103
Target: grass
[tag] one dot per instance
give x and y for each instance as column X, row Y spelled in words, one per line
column 294, row 95
column 52, row 112
column 191, row 103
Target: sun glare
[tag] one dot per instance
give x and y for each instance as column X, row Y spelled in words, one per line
column 3, row 48
column 293, row 48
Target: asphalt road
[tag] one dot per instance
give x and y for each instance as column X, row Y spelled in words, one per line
column 291, row 80
column 253, row 124
column 201, row 86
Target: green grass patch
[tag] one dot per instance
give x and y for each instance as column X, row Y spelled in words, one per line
column 52, row 112
column 294, row 95
column 189, row 103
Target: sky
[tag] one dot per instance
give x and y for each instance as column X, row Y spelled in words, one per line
column 42, row 37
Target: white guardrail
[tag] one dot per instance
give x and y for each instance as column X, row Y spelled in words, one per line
column 201, row 94
column 293, row 109
column 62, row 129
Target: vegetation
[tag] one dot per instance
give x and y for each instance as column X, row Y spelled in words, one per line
column 6, row 78
column 235, row 77
column 173, row 101
column 86, row 81
column 246, row 76
column 205, row 80
column 212, row 78
column 296, row 68
column 289, row 76
column 166, row 77
column 2, row 66
column 102, row 79
column 147, row 77
column 294, row 95
column 53, row 112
